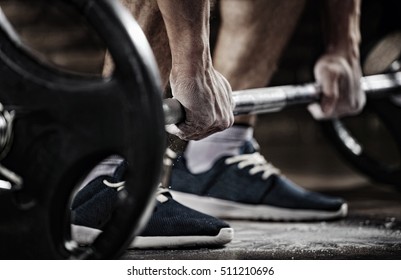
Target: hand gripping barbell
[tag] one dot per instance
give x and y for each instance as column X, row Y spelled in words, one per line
column 63, row 124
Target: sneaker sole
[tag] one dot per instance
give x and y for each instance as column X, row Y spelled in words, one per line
column 85, row 236
column 225, row 209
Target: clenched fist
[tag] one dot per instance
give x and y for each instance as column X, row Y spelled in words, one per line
column 206, row 97
column 340, row 82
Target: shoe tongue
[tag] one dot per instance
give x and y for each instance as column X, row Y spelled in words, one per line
column 120, row 171
column 249, row 147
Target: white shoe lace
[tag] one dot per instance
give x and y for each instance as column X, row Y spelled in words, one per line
column 160, row 194
column 120, row 185
column 259, row 163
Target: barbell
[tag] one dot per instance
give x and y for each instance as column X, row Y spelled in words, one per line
column 274, row 99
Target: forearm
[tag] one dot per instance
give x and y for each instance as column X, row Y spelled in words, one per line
column 203, row 92
column 187, row 24
column 341, row 26
column 338, row 69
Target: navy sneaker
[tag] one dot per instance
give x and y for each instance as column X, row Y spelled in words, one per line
column 171, row 225
column 246, row 186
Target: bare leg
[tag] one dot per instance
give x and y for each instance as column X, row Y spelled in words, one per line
column 148, row 16
column 252, row 37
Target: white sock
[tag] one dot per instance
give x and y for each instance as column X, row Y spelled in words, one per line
column 202, row 154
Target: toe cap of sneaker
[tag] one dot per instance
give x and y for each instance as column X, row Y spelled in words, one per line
column 285, row 193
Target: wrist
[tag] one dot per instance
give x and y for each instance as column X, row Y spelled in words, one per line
column 193, row 65
column 190, row 50
column 348, row 51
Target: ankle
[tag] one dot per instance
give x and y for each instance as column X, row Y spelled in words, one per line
column 201, row 155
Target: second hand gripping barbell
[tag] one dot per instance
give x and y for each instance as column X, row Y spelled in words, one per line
column 274, row 99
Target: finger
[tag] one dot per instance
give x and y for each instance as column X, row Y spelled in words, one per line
column 172, row 129
column 330, row 96
column 186, row 132
column 316, row 111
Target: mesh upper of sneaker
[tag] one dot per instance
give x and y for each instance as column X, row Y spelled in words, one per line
column 249, row 178
column 94, row 204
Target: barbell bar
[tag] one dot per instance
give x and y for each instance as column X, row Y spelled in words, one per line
column 274, row 99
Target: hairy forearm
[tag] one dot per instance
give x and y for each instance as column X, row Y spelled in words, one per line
column 187, row 24
column 338, row 69
column 341, row 24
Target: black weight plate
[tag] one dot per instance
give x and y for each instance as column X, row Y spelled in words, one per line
column 371, row 141
column 67, row 123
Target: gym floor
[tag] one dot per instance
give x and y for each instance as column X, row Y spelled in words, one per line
column 294, row 143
